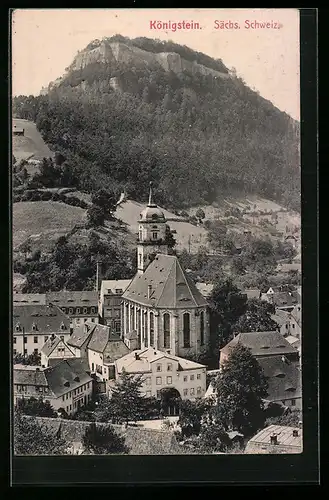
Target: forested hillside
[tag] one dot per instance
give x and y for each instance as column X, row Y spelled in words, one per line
column 197, row 137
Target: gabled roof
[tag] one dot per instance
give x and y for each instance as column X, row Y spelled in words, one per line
column 281, row 317
column 50, row 345
column 46, row 318
column 171, row 287
column 101, row 335
column 30, row 375
column 262, row 343
column 68, row 298
column 81, row 334
column 20, row 299
column 252, row 293
column 140, row 361
column 285, row 299
column 114, row 285
column 284, row 378
column 284, row 434
column 114, row 350
column 66, row 376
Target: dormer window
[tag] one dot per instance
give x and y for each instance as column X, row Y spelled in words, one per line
column 63, row 327
column 34, row 327
column 78, row 310
column 67, row 383
column 119, row 291
column 76, row 379
column 18, row 327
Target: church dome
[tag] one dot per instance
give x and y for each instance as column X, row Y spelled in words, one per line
column 152, row 213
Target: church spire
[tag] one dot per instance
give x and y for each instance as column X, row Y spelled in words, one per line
column 150, row 203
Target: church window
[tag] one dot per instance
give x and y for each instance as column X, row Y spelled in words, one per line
column 140, row 259
column 145, row 330
column 166, row 330
column 127, row 318
column 138, row 323
column 151, row 329
column 186, row 329
column 202, row 328
column 140, row 235
column 132, row 318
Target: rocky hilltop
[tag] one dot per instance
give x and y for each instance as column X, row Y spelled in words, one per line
column 118, row 52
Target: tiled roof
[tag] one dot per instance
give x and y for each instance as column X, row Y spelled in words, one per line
column 50, row 345
column 80, row 362
column 72, row 298
column 142, row 364
column 284, row 435
column 281, row 317
column 80, row 334
column 66, row 372
column 30, row 375
column 171, row 287
column 293, row 340
column 100, row 337
column 262, row 343
column 115, row 350
column 285, row 299
column 47, row 318
column 284, row 378
column 20, row 299
column 114, row 285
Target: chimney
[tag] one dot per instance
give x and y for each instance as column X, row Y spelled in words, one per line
column 295, row 433
column 136, row 356
column 274, row 439
column 149, row 291
column 52, row 336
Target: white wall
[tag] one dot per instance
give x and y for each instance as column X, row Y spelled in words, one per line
column 30, row 345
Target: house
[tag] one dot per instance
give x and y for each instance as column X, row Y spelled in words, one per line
column 79, row 306
column 21, row 299
column 162, row 303
column 284, row 381
column 285, row 300
column 65, row 385
column 79, row 340
column 104, row 348
column 252, row 293
column 34, row 324
column 276, row 439
column 289, row 322
column 55, row 348
column 110, row 300
column 161, row 370
column 18, row 130
column 261, row 344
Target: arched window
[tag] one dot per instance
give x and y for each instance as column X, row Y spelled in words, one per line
column 132, row 318
column 166, row 330
column 139, row 323
column 186, row 329
column 140, row 235
column 145, row 330
column 202, row 328
column 151, row 329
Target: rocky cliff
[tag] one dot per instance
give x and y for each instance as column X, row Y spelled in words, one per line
column 110, row 53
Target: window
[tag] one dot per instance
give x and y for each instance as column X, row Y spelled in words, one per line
column 92, row 310
column 14, row 340
column 192, row 391
column 151, row 329
column 34, row 327
column 148, row 381
column 77, row 320
column 166, row 330
column 25, row 340
column 159, row 368
column 63, row 398
column 145, row 336
column 140, row 259
column 159, row 380
column 198, row 376
column 185, row 392
column 202, row 328
column 293, row 402
column 70, row 310
column 62, row 337
column 132, row 318
column 169, row 380
column 25, row 351
column 185, row 379
column 46, row 338
column 117, row 327
column 169, row 367
column 186, row 329
column 70, row 407
column 140, row 235
column 66, row 397
column 293, row 325
column 191, row 377
column 198, row 391
column 148, row 394
column 15, row 352
column 127, row 318
column 85, row 310
column 154, row 235
column 36, row 351
column 78, row 310
column 286, row 326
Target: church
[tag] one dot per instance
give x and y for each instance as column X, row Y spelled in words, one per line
column 161, row 307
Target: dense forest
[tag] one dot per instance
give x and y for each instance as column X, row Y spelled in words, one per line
column 197, row 137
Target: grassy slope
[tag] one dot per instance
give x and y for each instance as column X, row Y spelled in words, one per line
column 43, row 221
column 31, row 144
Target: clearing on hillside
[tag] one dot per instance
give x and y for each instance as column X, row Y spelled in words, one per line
column 31, row 145
column 43, row 222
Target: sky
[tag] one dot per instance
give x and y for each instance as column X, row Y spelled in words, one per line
column 45, row 41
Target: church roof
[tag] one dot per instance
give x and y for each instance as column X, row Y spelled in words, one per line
column 164, row 284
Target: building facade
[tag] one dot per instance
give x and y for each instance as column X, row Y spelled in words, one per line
column 163, row 371
column 78, row 306
column 34, row 324
column 55, row 349
column 110, row 300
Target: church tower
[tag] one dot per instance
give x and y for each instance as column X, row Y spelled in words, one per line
column 151, row 234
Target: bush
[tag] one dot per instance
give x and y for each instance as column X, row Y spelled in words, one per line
column 103, row 440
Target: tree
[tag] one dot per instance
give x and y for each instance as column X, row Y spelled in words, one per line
column 190, row 416
column 36, row 407
column 96, row 216
column 32, row 438
column 126, row 402
column 105, row 199
column 227, row 304
column 213, row 437
column 240, row 389
column 290, row 418
column 33, row 359
column 257, row 318
column 200, row 215
column 169, row 238
column 103, row 440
